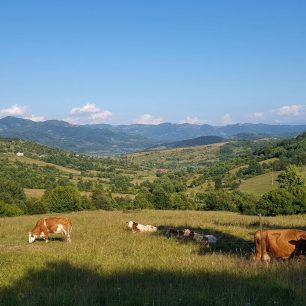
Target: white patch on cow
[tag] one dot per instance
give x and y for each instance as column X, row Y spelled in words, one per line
column 59, row 229
column 211, row 238
column 42, row 234
column 266, row 257
column 45, row 223
column 186, row 232
column 31, row 237
column 130, row 224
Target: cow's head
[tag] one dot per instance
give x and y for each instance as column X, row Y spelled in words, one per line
column 31, row 237
column 130, row 224
column 187, row 232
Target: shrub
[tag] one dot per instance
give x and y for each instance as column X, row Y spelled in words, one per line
column 143, row 200
column 276, row 202
column 103, row 200
column 62, row 199
column 10, row 210
column 35, row 206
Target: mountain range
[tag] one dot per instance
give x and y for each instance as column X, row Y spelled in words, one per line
column 105, row 139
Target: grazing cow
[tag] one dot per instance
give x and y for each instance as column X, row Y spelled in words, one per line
column 199, row 237
column 137, row 227
column 46, row 226
column 279, row 244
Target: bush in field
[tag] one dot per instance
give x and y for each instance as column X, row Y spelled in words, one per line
column 36, row 206
column 11, row 191
column 299, row 199
column 217, row 200
column 103, row 200
column 124, row 203
column 10, row 210
column 143, row 200
column 291, row 178
column 246, row 202
column 120, row 183
column 276, row 202
column 180, row 201
column 62, row 199
column 86, row 203
column 160, row 199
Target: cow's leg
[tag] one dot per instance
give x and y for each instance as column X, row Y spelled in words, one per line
column 67, row 234
column 46, row 235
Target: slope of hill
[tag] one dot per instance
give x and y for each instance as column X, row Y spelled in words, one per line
column 170, row 132
column 106, row 139
column 199, row 141
column 82, row 139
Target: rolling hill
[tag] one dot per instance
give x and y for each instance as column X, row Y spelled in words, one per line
column 105, row 139
column 70, row 137
column 170, row 132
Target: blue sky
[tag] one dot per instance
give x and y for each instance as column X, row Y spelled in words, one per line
column 126, row 61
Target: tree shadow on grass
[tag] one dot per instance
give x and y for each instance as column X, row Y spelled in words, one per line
column 227, row 243
column 61, row 283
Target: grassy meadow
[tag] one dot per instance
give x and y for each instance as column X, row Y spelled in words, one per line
column 106, row 264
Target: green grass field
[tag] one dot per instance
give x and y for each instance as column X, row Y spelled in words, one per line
column 106, row 264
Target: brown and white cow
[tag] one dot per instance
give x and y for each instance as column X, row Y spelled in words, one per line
column 279, row 244
column 199, row 237
column 54, row 225
column 137, row 227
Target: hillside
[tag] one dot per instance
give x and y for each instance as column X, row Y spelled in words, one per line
column 199, row 141
column 232, row 176
column 75, row 138
column 170, row 132
column 106, row 139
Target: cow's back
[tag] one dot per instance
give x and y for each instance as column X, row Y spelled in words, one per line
column 52, row 223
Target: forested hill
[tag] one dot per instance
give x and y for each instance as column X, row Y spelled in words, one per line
column 76, row 138
column 108, row 139
column 199, row 141
column 171, row 132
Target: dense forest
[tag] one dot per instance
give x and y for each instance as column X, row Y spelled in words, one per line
column 200, row 178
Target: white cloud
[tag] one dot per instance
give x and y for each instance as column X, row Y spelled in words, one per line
column 15, row 110
column 148, row 119
column 87, row 108
column 35, row 118
column 290, row 110
column 190, row 120
column 227, row 119
column 88, row 113
column 258, row 115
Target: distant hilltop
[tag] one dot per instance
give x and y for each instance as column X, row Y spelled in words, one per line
column 106, row 139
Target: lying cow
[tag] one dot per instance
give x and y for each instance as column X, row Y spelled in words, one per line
column 137, row 227
column 173, row 232
column 199, row 237
column 279, row 244
column 54, row 225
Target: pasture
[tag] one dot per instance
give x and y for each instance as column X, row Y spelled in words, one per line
column 106, row 264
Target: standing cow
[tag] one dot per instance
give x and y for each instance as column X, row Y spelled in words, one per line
column 279, row 243
column 52, row 225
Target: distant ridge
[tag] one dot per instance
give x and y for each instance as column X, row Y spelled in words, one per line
column 60, row 134
column 170, row 132
column 106, row 139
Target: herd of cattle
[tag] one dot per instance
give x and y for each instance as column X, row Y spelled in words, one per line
column 278, row 243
